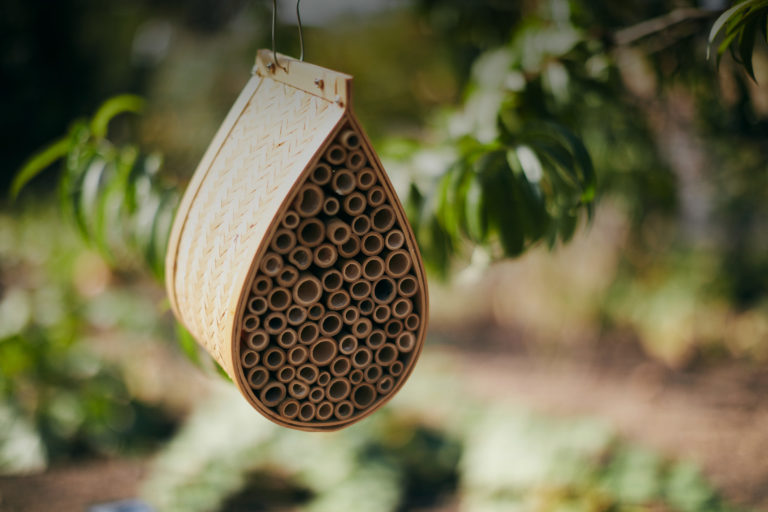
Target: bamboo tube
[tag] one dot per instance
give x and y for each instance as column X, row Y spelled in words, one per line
column 310, row 232
column 336, row 154
column 354, row 204
column 301, row 257
column 394, row 240
column 350, row 139
column 401, row 308
column 343, row 182
column 362, row 328
column 289, row 409
column 257, row 340
column 376, row 339
column 279, row 299
column 251, row 323
column 308, row 290
column 373, row 267
column 273, row 393
column 297, row 355
column 322, row 352
column 325, row 255
column 372, row 373
column 323, row 379
column 384, row 290
column 257, row 305
column 350, row 315
column 348, row 344
column 316, row 312
column 406, row 341
column 338, row 300
column 257, row 377
column 298, row 389
column 316, row 394
column 412, row 322
column 366, row 305
column 273, row 359
column 350, row 248
column 324, row 411
column 296, row 315
column 331, row 324
column 355, row 160
column 331, row 206
column 308, row 333
column 407, row 286
column 372, row 244
column 283, row 241
column 307, row 411
column 385, row 385
column 249, row 358
column 376, row 196
column 393, row 328
column 337, row 230
column 321, row 174
column 381, row 313
column 356, row 376
column 386, row 355
column 362, row 358
column 271, row 264
column 275, row 323
column 332, row 280
column 309, row 200
column 287, row 338
column 286, row 374
column 288, row 276
column 308, row 373
column 338, row 390
column 366, row 178
column 361, row 225
column 291, row 220
column 340, row 366
column 397, row 263
column 351, row 270
column 363, row 396
column 383, row 218
column 396, row 369
column 343, row 410
column 261, row 284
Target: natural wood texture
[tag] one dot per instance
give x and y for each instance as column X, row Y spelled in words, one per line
column 265, row 271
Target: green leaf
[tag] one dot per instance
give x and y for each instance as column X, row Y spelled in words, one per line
column 111, row 108
column 39, row 162
column 475, row 210
column 188, row 344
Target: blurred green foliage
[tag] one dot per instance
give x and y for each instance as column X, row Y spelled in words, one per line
column 71, row 400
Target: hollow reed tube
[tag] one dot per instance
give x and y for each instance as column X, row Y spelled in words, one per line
column 350, row 248
column 338, row 300
column 324, row 411
column 350, row 315
column 372, row 244
column 376, row 339
column 273, row 393
column 322, row 351
column 355, row 160
column 355, row 203
column 372, row 373
column 386, row 355
column 288, row 276
column 261, row 284
column 307, row 411
column 381, row 313
column 363, row 396
column 273, row 358
column 331, row 324
column 383, row 218
column 271, row 264
column 356, row 376
column 251, row 322
column 401, row 308
column 384, row 290
column 257, row 340
column 286, row 374
column 316, row 394
column 308, row 372
column 296, row 315
column 309, row 200
column 325, row 255
column 316, row 312
column 396, row 369
column 343, row 182
column 249, row 358
column 308, row 333
column 298, row 389
column 288, row 338
column 298, row 355
column 343, row 410
column 321, row 174
column 289, row 409
column 373, row 268
column 361, row 225
column 393, row 328
column 279, row 299
column 362, row 328
column 362, row 357
column 366, row 178
column 376, row 196
column 407, row 286
column 275, row 323
column 350, row 139
column 338, row 389
column 301, row 257
column 291, row 219
column 336, row 154
column 351, row 270
column 394, row 240
column 308, row 290
column 337, row 231
column 311, row 232
column 257, row 377
column 331, row 206
column 385, row 384
column 348, row 344
column 332, row 280
column 412, row 322
column 359, row 290
column 283, row 241
column 340, row 366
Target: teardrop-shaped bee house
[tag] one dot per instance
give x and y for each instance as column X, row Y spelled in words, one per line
column 291, row 260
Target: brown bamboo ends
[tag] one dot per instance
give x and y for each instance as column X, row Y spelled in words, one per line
column 291, row 260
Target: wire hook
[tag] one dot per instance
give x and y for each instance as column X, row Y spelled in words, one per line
column 274, row 23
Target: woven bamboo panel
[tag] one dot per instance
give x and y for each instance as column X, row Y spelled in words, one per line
column 236, row 272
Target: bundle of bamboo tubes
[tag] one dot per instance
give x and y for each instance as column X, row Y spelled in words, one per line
column 290, row 258
column 332, row 318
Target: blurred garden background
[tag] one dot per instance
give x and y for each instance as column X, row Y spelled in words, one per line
column 599, row 328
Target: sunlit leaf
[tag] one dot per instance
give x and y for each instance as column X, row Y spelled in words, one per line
column 38, row 163
column 112, row 107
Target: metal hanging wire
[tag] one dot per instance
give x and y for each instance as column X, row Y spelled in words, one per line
column 274, row 24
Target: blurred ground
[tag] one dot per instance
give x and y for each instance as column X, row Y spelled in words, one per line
column 716, row 418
